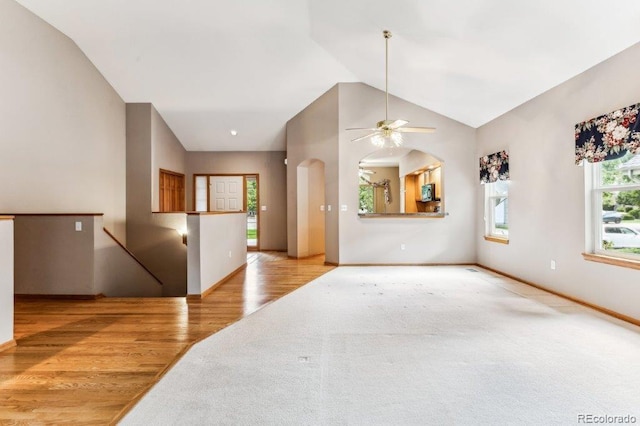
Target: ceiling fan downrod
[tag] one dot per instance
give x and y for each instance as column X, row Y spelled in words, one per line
column 387, row 35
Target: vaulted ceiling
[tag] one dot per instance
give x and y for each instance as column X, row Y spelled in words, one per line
column 210, row 66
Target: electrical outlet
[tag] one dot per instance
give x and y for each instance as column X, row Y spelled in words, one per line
column 402, row 247
column 343, row 208
column 553, row 265
column 263, row 208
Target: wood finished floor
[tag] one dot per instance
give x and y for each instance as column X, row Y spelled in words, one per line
column 89, row 361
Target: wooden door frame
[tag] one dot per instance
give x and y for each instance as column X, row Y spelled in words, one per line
column 244, row 196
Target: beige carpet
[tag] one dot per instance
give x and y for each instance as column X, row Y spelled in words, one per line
column 406, row 346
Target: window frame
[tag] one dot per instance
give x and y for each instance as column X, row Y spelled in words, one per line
column 490, row 195
column 596, row 231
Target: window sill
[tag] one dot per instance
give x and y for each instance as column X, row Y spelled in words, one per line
column 493, row 239
column 610, row 260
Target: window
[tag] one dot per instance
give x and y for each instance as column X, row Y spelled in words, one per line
column 171, row 191
column 496, row 209
column 616, row 207
column 366, row 196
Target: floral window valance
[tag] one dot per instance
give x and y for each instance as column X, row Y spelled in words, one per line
column 609, row 136
column 494, row 167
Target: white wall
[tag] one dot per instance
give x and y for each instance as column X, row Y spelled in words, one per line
column 547, row 190
column 63, row 125
column 6, row 280
column 378, row 240
column 216, row 247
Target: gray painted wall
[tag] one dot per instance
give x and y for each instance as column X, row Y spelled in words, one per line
column 152, row 237
column 269, row 165
column 6, row 280
column 51, row 257
column 63, row 125
column 547, row 190
column 378, row 240
column 115, row 272
column 313, row 135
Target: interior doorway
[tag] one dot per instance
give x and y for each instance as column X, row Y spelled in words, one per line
column 230, row 192
column 310, row 208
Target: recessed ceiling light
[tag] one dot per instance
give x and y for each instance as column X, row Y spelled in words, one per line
column 234, row 132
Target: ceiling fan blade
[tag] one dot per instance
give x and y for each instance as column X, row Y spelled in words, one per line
column 397, row 123
column 363, row 128
column 364, row 137
column 416, row 129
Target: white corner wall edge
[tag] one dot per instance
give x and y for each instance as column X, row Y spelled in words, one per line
column 6, row 281
column 216, row 247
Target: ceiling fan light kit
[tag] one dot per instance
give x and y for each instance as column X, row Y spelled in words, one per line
column 388, row 133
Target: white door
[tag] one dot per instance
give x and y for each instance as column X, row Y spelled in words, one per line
column 226, row 193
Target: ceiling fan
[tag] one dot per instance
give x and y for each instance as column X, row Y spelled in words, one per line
column 389, row 130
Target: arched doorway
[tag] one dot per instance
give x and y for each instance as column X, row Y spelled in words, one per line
column 310, row 208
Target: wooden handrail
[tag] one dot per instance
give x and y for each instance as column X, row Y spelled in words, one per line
column 5, row 217
column 132, row 255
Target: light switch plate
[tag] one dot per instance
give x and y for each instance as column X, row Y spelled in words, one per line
column 78, row 226
column 263, row 208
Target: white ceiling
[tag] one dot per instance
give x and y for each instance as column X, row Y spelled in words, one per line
column 210, row 66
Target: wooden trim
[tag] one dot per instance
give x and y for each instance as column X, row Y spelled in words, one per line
column 606, row 311
column 6, row 217
column 8, row 345
column 331, row 263
column 52, row 214
column 610, row 260
column 199, row 297
column 171, row 172
column 183, row 212
column 60, row 296
column 404, row 264
column 306, row 257
column 494, row 239
column 214, row 213
column 132, row 255
column 258, row 226
column 403, row 215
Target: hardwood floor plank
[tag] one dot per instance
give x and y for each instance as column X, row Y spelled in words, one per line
column 89, row 361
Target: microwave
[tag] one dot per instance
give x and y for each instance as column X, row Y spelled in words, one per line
column 428, row 192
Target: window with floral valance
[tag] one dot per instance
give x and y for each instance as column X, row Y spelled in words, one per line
column 609, row 136
column 494, row 167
